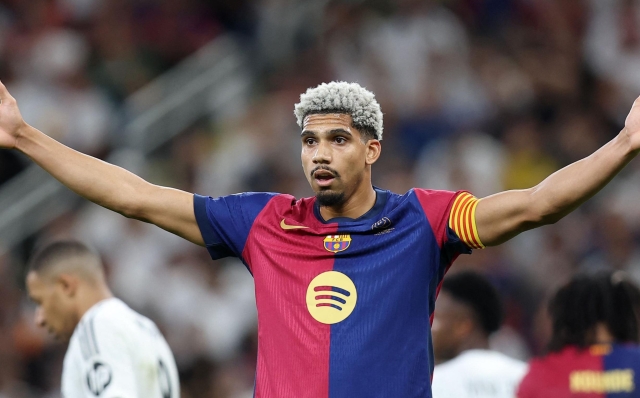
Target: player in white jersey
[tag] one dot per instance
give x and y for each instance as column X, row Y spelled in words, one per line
column 114, row 352
column 467, row 312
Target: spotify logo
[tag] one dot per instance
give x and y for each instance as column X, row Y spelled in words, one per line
column 331, row 297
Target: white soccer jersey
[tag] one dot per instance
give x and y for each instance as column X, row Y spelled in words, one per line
column 478, row 374
column 115, row 352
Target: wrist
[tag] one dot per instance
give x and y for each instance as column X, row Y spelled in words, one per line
column 24, row 135
column 625, row 140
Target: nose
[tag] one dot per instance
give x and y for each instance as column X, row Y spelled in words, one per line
column 322, row 154
column 39, row 318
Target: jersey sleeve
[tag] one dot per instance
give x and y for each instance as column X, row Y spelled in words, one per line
column 438, row 206
column 462, row 219
column 108, row 369
column 225, row 222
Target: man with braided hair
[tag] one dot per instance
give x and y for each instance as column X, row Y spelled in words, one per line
column 594, row 349
column 345, row 281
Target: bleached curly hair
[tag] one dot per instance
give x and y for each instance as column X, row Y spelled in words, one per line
column 343, row 97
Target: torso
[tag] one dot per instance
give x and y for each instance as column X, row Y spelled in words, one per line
column 115, row 350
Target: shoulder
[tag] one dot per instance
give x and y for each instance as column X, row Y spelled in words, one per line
column 484, row 361
column 446, row 379
column 507, row 364
column 631, row 349
column 540, row 367
column 252, row 203
column 112, row 316
column 434, row 201
column 239, row 199
column 432, row 194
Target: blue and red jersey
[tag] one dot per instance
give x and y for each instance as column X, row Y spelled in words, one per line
column 344, row 306
column 599, row 371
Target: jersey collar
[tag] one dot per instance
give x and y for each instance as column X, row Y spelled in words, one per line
column 381, row 200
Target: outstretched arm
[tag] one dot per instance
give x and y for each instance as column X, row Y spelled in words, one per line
column 105, row 184
column 502, row 216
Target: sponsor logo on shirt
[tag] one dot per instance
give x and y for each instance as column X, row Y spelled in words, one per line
column 331, row 297
column 337, row 243
column 611, row 381
column 382, row 226
column 286, row 226
column 98, row 377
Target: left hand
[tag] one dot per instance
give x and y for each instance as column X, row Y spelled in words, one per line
column 632, row 126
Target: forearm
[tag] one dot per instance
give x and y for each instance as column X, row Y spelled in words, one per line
column 502, row 216
column 108, row 185
column 565, row 190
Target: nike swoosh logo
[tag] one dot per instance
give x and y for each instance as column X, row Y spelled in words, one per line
column 283, row 225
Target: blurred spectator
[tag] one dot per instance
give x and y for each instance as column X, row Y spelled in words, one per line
column 594, row 345
column 468, row 311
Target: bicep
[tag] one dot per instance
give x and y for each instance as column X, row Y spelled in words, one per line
column 504, row 215
column 170, row 209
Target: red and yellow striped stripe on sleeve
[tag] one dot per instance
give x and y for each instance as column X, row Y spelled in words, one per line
column 462, row 219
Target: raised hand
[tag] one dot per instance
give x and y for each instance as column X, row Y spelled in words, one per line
column 632, row 126
column 11, row 122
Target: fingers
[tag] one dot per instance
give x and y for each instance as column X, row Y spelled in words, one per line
column 4, row 93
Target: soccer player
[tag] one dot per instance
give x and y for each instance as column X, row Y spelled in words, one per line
column 113, row 351
column 594, row 348
column 467, row 312
column 345, row 281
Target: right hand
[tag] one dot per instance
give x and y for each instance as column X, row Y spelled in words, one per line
column 11, row 121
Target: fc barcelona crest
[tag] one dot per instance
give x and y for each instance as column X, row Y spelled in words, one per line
column 337, row 243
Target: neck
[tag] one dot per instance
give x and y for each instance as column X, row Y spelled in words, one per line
column 90, row 296
column 602, row 334
column 475, row 341
column 358, row 204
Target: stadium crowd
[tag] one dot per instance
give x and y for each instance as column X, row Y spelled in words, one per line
column 477, row 95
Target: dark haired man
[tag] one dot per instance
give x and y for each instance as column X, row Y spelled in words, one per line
column 468, row 311
column 345, row 281
column 594, row 348
column 113, row 351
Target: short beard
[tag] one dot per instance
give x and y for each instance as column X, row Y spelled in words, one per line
column 330, row 198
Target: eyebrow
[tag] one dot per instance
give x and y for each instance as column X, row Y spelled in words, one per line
column 306, row 133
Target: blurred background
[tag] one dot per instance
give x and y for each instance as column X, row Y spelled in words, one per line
column 483, row 95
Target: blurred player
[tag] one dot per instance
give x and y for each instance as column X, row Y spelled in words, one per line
column 467, row 312
column 113, row 351
column 594, row 348
column 345, row 281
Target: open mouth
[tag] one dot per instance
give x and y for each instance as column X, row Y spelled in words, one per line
column 323, row 177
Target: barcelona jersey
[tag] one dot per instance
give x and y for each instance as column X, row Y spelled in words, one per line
column 600, row 371
column 344, row 305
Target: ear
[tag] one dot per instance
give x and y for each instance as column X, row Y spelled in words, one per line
column 68, row 284
column 373, row 151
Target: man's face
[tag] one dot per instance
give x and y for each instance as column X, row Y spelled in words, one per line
column 334, row 157
column 54, row 305
column 452, row 323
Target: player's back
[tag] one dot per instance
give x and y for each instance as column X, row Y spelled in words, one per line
column 478, row 374
column 598, row 371
column 116, row 352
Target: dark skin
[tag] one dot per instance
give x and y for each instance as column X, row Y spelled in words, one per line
column 455, row 329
